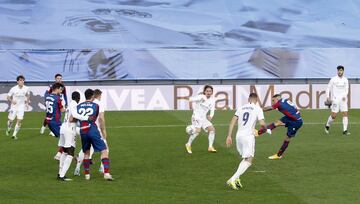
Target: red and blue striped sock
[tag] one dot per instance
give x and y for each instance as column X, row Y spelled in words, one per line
column 270, row 126
column 106, row 164
column 86, row 165
column 283, row 148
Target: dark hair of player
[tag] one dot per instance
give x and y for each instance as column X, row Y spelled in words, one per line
column 253, row 95
column 89, row 93
column 20, row 77
column 56, row 75
column 75, row 96
column 276, row 95
column 97, row 93
column 208, row 86
column 57, row 86
column 340, row 67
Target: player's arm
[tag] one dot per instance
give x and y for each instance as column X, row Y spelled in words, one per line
column 65, row 97
column 346, row 89
column 10, row 96
column 231, row 128
column 76, row 115
column 212, row 112
column 328, row 89
column 27, row 99
column 268, row 108
column 197, row 98
column 102, row 124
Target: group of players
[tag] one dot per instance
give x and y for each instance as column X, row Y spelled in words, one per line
column 247, row 116
column 87, row 120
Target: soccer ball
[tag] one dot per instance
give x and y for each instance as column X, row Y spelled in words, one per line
column 190, row 129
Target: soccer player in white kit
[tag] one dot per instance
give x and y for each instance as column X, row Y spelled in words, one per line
column 19, row 98
column 100, row 122
column 202, row 104
column 246, row 117
column 337, row 93
column 68, row 131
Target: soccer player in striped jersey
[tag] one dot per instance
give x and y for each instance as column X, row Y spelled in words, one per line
column 19, row 98
column 292, row 120
column 90, row 136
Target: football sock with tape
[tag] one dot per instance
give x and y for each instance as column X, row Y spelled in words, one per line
column 211, row 138
column 243, row 166
column 345, row 123
column 270, row 126
column 283, row 148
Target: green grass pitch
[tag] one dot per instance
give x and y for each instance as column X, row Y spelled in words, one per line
column 149, row 163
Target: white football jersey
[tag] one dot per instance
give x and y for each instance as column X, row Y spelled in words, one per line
column 338, row 87
column 248, row 115
column 202, row 105
column 18, row 95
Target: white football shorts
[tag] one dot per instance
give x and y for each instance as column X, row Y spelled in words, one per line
column 245, row 145
column 201, row 123
column 16, row 113
column 339, row 105
column 67, row 135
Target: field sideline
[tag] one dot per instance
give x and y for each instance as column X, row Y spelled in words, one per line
column 149, row 163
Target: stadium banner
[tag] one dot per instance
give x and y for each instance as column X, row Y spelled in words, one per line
column 175, row 97
column 177, row 64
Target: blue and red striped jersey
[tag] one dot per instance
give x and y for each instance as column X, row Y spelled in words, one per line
column 53, row 107
column 288, row 108
column 88, row 108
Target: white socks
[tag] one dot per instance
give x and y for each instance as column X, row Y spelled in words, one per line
column 61, row 161
column 9, row 124
column 211, row 138
column 330, row 120
column 80, row 159
column 91, row 152
column 345, row 123
column 192, row 138
column 16, row 129
column 241, row 169
column 66, row 165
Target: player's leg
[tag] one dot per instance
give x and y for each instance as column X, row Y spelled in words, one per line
column 334, row 110
column 86, row 163
column 291, row 132
column 17, row 126
column 43, row 127
column 345, row 120
column 10, row 122
column 55, row 128
column 271, row 126
column 80, row 159
column 100, row 146
column 197, row 125
column 211, row 138
column 91, row 154
column 246, row 148
column 68, row 134
column 345, row 123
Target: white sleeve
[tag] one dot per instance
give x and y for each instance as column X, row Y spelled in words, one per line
column 260, row 114
column 237, row 113
column 197, row 98
column 76, row 115
column 328, row 89
column 11, row 92
column 212, row 110
column 27, row 91
column 346, row 87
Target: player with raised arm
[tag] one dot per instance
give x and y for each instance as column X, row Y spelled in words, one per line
column 202, row 104
column 63, row 96
column 19, row 98
column 90, row 135
column 100, row 122
column 292, row 120
column 54, row 109
column 337, row 93
column 68, row 131
column 246, row 117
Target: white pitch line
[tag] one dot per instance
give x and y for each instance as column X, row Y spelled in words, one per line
column 179, row 125
column 261, row 171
